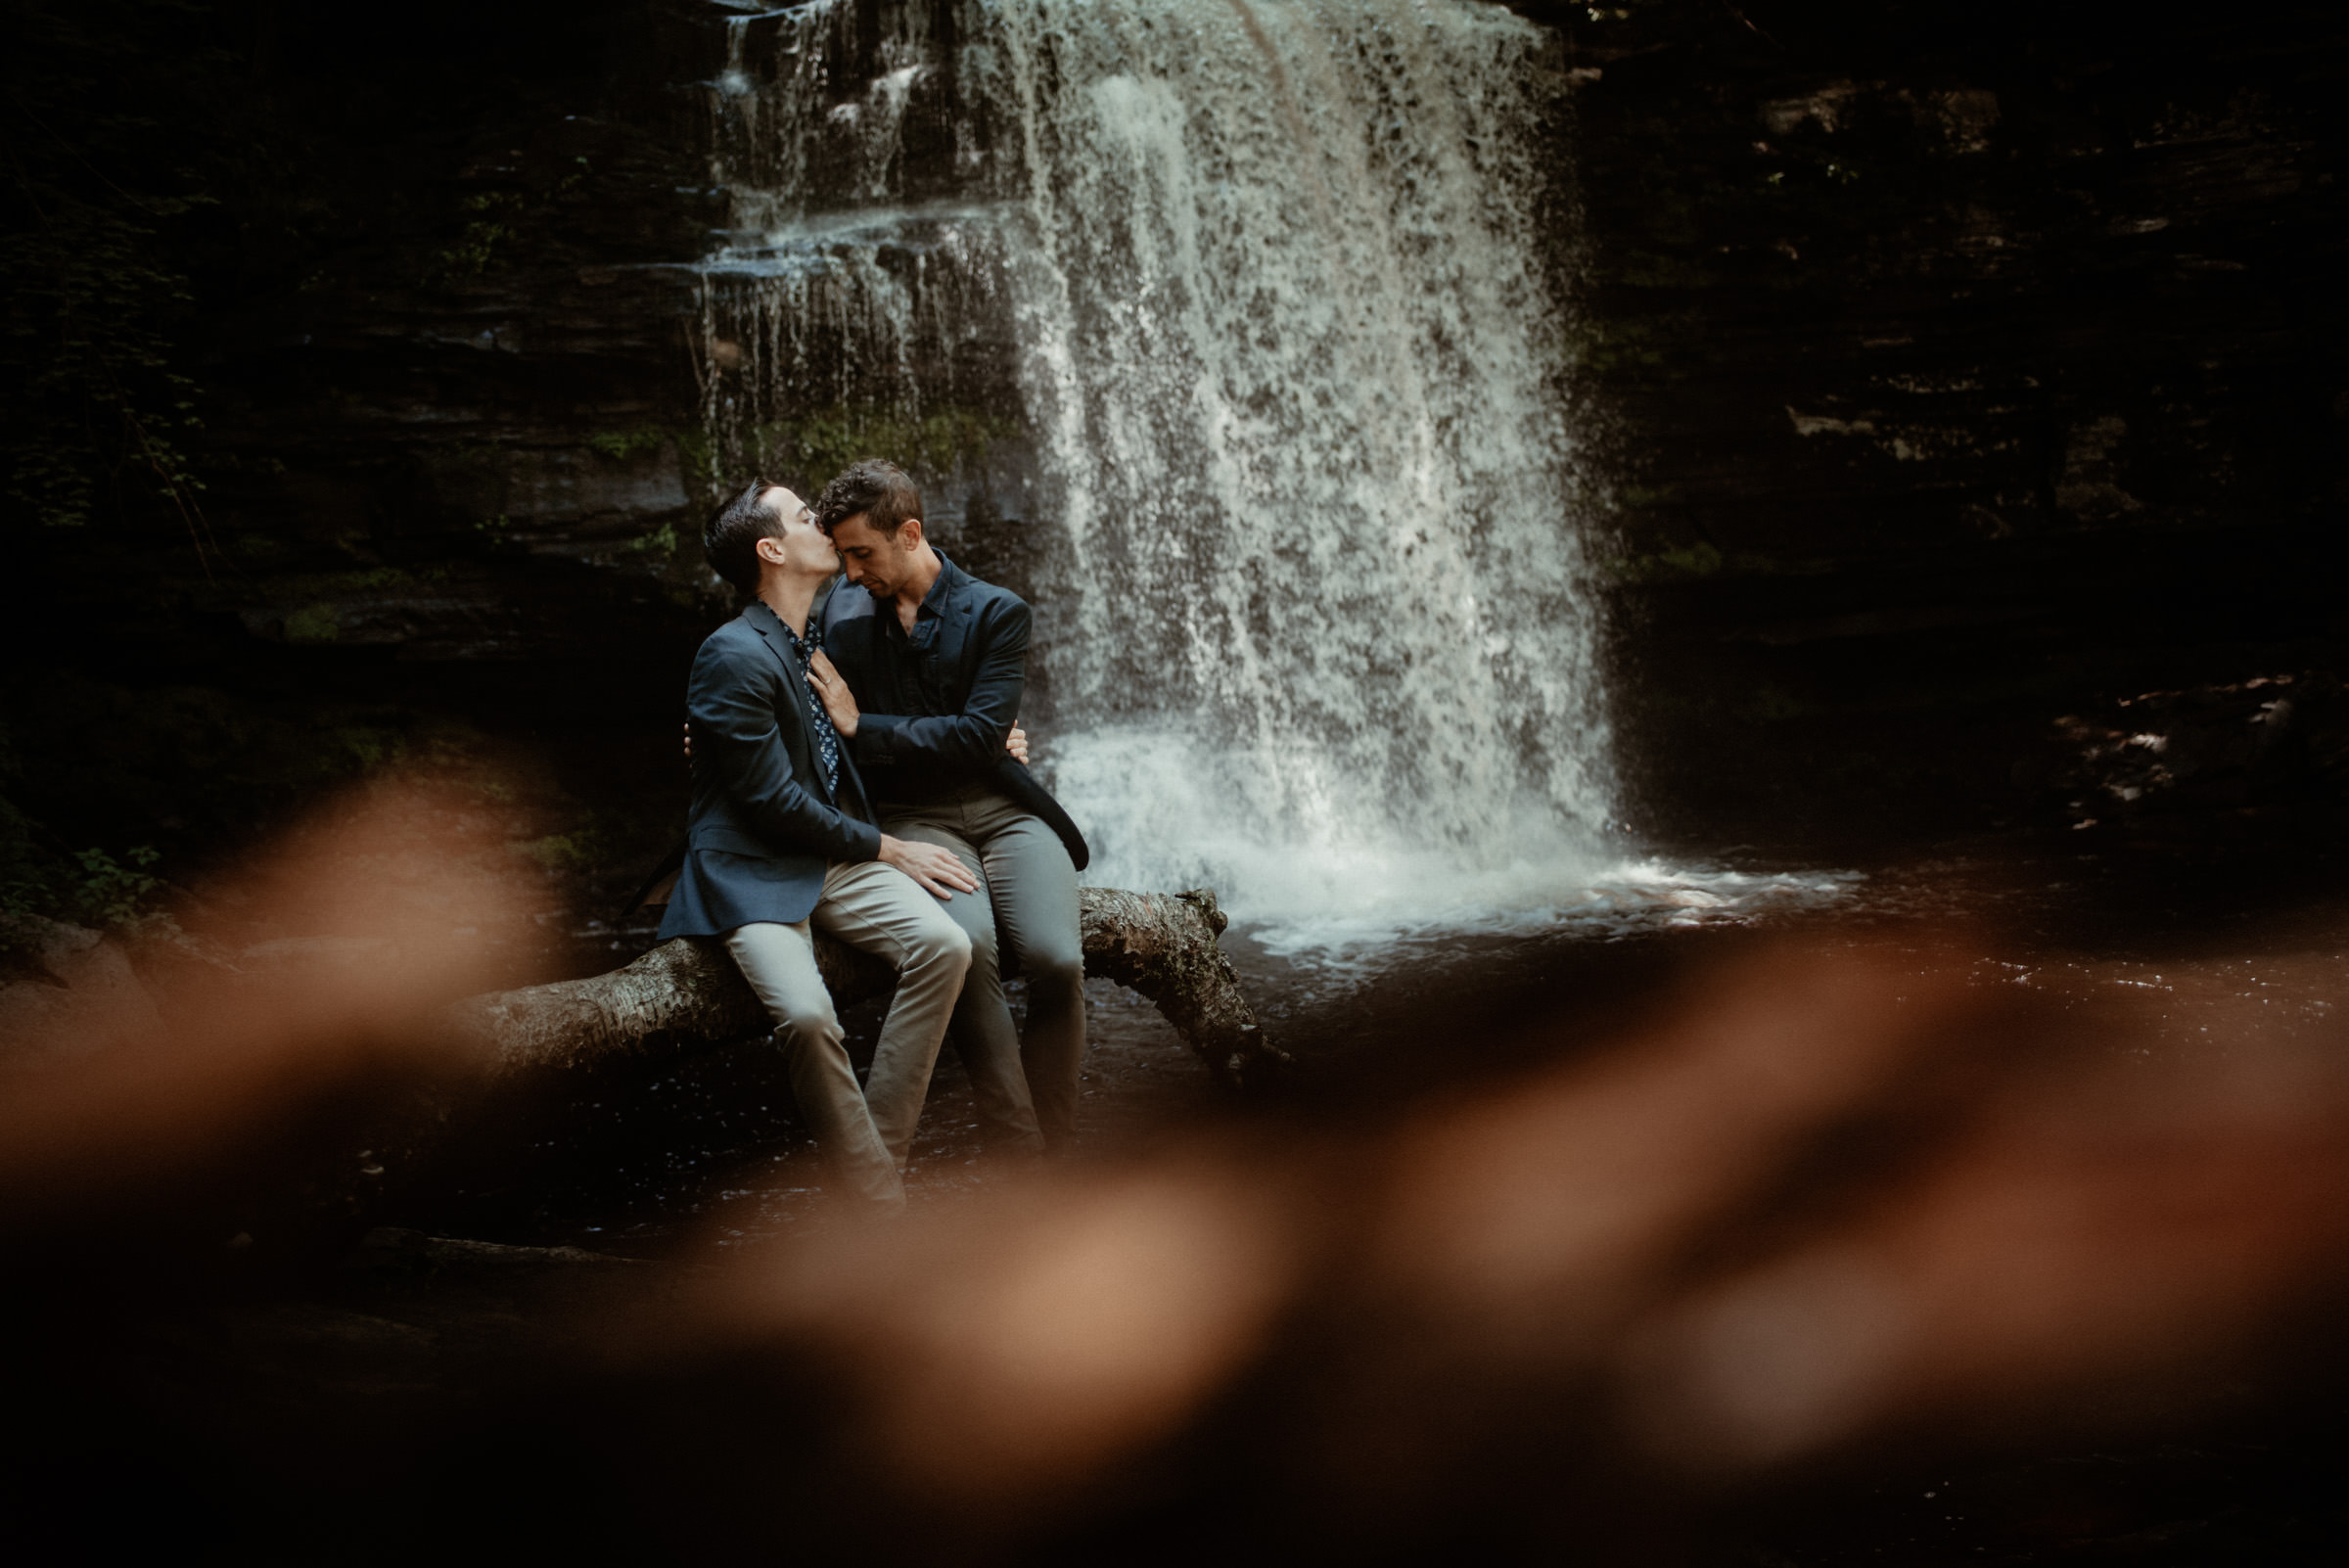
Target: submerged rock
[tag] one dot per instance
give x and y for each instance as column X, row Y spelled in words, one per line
column 2218, row 765
column 391, row 1248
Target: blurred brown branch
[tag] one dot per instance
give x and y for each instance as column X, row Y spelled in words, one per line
column 1832, row 1201
column 1842, row 1200
column 224, row 1067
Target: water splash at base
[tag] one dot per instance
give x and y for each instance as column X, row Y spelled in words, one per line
column 1166, row 812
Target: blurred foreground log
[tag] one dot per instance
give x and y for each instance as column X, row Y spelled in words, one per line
column 1161, row 945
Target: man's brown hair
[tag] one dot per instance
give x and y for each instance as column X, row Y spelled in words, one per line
column 875, row 488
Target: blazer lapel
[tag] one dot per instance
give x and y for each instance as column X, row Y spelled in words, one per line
column 771, row 633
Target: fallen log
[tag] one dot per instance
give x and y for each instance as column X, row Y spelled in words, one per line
column 1161, row 945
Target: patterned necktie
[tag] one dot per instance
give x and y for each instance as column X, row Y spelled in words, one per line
column 827, row 739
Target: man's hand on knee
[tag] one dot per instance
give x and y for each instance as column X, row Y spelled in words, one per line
column 938, row 870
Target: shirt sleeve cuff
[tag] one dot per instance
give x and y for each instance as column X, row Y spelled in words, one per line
column 877, row 737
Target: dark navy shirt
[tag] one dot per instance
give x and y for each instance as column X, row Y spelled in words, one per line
column 905, row 673
column 938, row 703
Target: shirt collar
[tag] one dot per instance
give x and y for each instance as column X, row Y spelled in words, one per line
column 761, row 610
column 950, row 578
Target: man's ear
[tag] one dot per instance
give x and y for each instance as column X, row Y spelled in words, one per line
column 909, row 534
column 770, row 549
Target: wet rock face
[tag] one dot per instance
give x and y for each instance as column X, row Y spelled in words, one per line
column 1965, row 365
column 452, row 464
column 2258, row 767
column 501, row 413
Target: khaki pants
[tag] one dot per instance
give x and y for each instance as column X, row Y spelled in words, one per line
column 1026, row 924
column 864, row 1134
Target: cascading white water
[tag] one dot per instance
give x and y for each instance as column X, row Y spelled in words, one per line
column 1292, row 360
column 1315, row 610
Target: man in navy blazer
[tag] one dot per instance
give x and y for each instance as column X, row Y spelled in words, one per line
column 782, row 835
column 925, row 671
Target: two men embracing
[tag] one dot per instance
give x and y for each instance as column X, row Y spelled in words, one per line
column 862, row 773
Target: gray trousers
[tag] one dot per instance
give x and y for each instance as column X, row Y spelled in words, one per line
column 864, row 1134
column 1026, row 925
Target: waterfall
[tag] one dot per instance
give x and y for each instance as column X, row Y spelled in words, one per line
column 1264, row 291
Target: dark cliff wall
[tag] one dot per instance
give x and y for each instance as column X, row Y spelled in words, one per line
column 1967, row 366
column 444, row 448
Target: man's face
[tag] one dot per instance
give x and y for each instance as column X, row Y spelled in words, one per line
column 873, row 560
column 801, row 547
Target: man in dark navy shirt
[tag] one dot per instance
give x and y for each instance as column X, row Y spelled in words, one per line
column 926, row 669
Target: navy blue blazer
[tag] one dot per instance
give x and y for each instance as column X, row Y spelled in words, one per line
column 763, row 827
column 936, row 706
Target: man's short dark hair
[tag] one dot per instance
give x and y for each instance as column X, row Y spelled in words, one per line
column 731, row 538
column 877, row 488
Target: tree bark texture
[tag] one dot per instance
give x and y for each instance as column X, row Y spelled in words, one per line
column 1161, row 945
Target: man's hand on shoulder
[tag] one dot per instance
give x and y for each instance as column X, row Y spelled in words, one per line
column 936, row 869
column 834, row 693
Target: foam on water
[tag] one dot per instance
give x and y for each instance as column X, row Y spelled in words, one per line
column 1348, row 904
